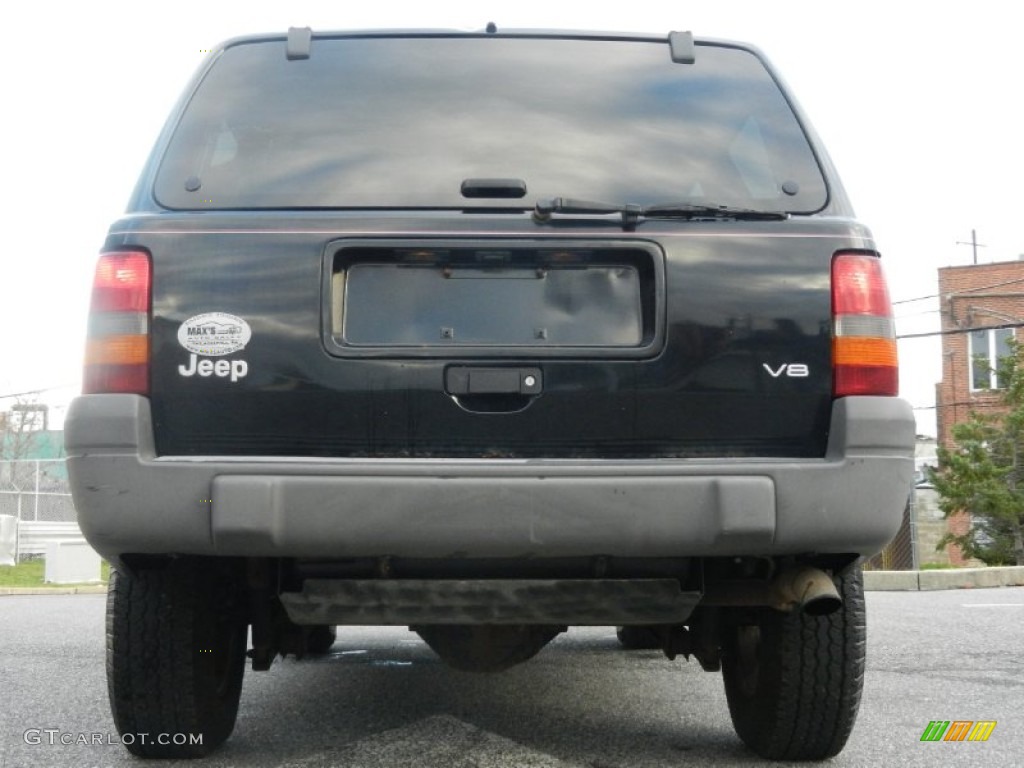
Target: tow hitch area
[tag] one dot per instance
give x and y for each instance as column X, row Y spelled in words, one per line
column 596, row 602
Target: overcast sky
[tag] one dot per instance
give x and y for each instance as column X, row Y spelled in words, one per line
column 919, row 108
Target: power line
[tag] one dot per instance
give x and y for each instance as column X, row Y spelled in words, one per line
column 967, row 290
column 22, row 394
column 919, row 298
column 959, row 330
column 970, row 404
column 35, row 391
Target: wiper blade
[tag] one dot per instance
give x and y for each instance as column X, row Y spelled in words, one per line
column 687, row 210
column 632, row 213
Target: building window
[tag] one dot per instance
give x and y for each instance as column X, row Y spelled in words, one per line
column 988, row 348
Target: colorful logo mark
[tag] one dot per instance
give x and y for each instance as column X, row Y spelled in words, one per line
column 958, row 730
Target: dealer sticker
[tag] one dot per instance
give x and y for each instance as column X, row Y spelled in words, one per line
column 214, row 334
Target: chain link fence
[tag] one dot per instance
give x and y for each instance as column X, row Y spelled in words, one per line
column 36, row 490
column 35, row 508
column 901, row 554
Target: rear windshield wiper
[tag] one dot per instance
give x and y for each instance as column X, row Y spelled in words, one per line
column 631, row 213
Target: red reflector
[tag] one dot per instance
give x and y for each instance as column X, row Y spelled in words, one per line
column 865, row 380
column 121, row 283
column 858, row 286
column 104, row 379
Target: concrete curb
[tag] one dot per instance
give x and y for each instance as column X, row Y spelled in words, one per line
column 874, row 581
column 951, row 578
column 98, row 589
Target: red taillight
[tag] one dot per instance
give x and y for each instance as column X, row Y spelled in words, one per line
column 117, row 346
column 121, row 283
column 863, row 333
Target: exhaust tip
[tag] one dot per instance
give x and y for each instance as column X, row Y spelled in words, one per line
column 811, row 590
column 822, row 605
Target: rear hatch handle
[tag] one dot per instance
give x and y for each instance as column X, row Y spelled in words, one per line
column 473, row 380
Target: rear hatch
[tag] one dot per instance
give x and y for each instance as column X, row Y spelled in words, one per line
column 437, row 246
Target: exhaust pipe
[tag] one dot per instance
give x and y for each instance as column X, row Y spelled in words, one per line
column 810, row 589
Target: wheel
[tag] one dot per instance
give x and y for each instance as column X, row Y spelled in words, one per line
column 793, row 681
column 638, row 638
column 175, row 657
column 320, row 639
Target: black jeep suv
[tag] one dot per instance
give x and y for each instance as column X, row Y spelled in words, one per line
column 489, row 334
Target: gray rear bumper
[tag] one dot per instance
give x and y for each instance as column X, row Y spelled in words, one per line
column 130, row 501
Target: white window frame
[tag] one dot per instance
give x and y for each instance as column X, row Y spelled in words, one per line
column 991, row 354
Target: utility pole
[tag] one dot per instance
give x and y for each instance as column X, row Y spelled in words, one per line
column 974, row 244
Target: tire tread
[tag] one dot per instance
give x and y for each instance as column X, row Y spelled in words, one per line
column 157, row 681
column 811, row 673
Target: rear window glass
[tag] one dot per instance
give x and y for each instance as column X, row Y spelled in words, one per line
column 401, row 122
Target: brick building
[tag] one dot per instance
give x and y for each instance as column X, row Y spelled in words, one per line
column 980, row 306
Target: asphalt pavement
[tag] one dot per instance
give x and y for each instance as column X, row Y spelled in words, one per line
column 381, row 698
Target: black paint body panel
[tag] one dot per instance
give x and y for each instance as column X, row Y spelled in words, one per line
column 742, row 300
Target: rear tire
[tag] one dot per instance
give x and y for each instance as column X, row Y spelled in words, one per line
column 175, row 657
column 793, row 681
